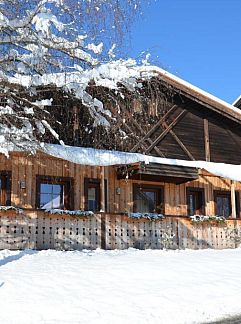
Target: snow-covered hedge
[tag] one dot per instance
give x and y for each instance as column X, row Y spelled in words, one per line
column 6, row 208
column 207, row 218
column 150, row 216
column 81, row 213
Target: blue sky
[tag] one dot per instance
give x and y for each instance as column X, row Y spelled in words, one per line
column 197, row 40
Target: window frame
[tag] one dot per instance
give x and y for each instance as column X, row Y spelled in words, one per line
column 66, row 182
column 237, row 200
column 217, row 193
column 6, row 190
column 160, row 203
column 190, row 190
column 94, row 183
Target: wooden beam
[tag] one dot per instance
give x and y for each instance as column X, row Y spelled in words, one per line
column 166, row 131
column 153, row 129
column 102, row 189
column 158, row 151
column 206, row 140
column 179, row 142
column 131, row 131
column 233, row 199
column 226, row 113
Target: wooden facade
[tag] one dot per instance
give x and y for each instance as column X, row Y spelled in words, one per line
column 181, row 124
column 165, row 118
column 39, row 230
column 25, row 170
column 111, row 228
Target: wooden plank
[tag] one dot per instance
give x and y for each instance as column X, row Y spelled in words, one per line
column 102, row 188
column 180, row 143
column 63, row 232
column 30, row 190
column 206, row 139
column 166, row 131
column 143, row 144
column 15, row 181
column 80, row 178
column 153, row 129
column 234, row 139
column 233, row 199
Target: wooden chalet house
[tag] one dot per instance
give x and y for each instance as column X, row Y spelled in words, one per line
column 175, row 123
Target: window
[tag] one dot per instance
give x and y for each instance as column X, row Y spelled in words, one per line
column 54, row 192
column 223, row 203
column 92, row 194
column 237, row 196
column 148, row 199
column 195, row 201
column 5, row 188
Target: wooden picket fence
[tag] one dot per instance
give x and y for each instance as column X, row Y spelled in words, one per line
column 39, row 230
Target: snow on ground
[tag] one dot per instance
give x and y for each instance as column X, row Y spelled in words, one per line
column 112, row 287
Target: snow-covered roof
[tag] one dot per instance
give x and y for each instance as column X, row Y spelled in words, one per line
column 237, row 101
column 196, row 92
column 94, row 157
column 128, row 73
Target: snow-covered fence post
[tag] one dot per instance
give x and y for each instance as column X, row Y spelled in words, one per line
column 167, row 237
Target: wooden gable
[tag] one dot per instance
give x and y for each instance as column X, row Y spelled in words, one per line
column 162, row 120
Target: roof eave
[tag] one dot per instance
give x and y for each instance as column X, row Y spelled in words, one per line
column 203, row 97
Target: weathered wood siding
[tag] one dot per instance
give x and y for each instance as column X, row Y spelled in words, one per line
column 26, row 168
column 165, row 121
column 224, row 135
column 39, row 230
column 170, row 233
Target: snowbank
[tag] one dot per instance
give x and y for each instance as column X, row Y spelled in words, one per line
column 131, row 286
column 90, row 156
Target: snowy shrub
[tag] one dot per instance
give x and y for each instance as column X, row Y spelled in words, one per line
column 43, row 41
column 167, row 237
column 150, row 216
column 207, row 218
column 234, row 235
column 6, row 208
column 81, row 213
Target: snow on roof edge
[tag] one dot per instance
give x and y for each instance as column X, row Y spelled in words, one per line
column 236, row 100
column 191, row 87
column 95, row 157
column 109, row 74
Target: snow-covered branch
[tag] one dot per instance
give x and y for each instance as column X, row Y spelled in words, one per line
column 44, row 43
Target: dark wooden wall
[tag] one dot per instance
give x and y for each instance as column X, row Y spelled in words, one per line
column 224, row 135
column 159, row 121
